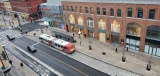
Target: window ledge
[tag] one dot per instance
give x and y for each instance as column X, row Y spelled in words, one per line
column 104, row 15
column 111, row 16
column 119, row 17
column 128, row 17
column 81, row 13
column 91, row 14
column 138, row 18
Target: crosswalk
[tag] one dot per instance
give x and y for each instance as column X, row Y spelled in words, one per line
column 16, row 34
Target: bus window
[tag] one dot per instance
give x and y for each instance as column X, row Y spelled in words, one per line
column 55, row 44
column 68, row 39
column 56, row 36
column 60, row 36
column 58, row 45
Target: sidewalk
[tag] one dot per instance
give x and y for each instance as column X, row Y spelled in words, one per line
column 17, row 70
column 135, row 61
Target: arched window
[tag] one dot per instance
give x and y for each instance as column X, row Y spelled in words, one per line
column 91, row 11
column 64, row 8
column 134, row 29
column 104, row 11
column 86, row 8
column 118, row 13
column 129, row 12
column 67, row 8
column 153, row 32
column 72, row 9
column 90, row 22
column 111, row 12
column 98, row 11
column 80, row 9
column 140, row 13
column 151, row 13
column 76, row 9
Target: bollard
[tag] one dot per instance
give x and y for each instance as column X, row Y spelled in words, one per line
column 123, row 59
column 103, row 53
column 21, row 64
column 90, row 47
column 26, row 32
column 10, row 61
column 148, row 67
column 34, row 34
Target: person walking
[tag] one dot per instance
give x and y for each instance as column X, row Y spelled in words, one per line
column 116, row 50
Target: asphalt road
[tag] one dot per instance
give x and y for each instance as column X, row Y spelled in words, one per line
column 58, row 61
column 25, row 28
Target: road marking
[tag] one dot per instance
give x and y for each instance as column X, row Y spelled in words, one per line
column 28, row 61
column 59, row 74
column 60, row 61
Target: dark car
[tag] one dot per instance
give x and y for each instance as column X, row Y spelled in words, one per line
column 10, row 36
column 31, row 48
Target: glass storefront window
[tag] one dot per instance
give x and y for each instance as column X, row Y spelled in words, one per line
column 71, row 19
column 80, row 20
column 115, row 26
column 133, row 29
column 158, row 52
column 153, row 32
column 90, row 22
column 102, row 24
column 132, row 44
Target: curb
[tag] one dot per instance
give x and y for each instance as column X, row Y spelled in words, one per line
column 109, row 63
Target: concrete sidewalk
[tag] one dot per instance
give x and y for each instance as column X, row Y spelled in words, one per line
column 136, row 62
column 17, row 70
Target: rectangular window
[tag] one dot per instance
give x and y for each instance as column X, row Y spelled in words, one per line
column 119, row 14
column 112, row 13
column 129, row 12
column 151, row 14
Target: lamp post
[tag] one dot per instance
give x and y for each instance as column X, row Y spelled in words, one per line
column 149, row 63
column 123, row 57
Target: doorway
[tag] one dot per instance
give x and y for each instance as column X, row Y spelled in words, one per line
column 67, row 28
column 91, row 34
column 115, row 39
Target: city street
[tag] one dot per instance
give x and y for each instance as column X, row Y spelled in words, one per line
column 63, row 64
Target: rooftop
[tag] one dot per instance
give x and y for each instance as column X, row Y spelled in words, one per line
column 119, row 1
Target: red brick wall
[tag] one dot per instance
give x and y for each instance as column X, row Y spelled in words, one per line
column 144, row 22
column 30, row 6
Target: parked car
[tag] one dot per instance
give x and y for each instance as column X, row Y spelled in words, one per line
column 31, row 48
column 10, row 37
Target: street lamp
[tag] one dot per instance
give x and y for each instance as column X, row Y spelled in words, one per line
column 149, row 63
column 123, row 57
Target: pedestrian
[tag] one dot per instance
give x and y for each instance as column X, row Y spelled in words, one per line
column 127, row 49
column 116, row 50
column 79, row 33
column 80, row 42
column 29, row 27
column 73, row 34
column 85, row 35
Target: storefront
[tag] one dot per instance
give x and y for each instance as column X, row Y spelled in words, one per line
column 133, row 36
column 115, row 31
column 152, row 42
column 102, row 30
column 90, row 23
column 52, row 15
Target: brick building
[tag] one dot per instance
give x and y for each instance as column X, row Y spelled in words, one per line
column 26, row 6
column 133, row 24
